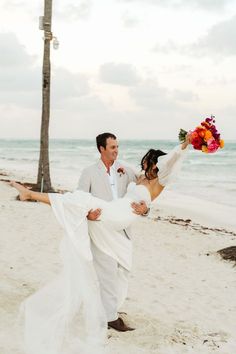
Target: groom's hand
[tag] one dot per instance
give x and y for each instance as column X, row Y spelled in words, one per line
column 93, row 215
column 140, row 208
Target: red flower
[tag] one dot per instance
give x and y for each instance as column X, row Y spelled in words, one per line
column 121, row 171
column 197, row 142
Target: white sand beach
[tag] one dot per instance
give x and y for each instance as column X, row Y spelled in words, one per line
column 181, row 295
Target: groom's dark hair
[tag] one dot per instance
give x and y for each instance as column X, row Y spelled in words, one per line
column 101, row 140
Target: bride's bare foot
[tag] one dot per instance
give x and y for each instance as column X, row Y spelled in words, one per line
column 24, row 193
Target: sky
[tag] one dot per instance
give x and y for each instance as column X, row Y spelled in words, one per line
column 141, row 69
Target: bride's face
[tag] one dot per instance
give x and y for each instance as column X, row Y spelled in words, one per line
column 145, row 165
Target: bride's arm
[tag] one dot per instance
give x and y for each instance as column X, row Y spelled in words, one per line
column 40, row 197
column 178, row 152
column 169, row 165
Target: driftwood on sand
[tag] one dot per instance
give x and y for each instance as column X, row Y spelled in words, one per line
column 229, row 254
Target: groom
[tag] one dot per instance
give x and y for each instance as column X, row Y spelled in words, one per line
column 108, row 180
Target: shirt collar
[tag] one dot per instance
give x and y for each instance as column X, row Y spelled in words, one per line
column 113, row 166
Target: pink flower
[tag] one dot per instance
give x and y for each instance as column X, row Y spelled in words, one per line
column 212, row 145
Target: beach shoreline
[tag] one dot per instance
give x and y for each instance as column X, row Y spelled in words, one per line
column 181, row 294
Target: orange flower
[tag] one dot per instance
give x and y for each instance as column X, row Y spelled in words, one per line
column 194, row 135
column 208, row 135
column 202, row 133
column 204, row 148
column 222, row 143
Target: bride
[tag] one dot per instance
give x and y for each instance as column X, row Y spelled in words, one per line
column 67, row 316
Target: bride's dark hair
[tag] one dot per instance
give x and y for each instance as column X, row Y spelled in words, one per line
column 151, row 159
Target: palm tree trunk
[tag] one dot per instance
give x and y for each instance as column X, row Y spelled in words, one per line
column 44, row 180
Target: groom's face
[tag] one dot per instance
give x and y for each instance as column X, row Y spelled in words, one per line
column 111, row 151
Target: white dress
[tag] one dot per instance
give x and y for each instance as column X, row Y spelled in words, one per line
column 67, row 315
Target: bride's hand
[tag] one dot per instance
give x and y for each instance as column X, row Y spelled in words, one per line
column 140, row 208
column 93, row 215
column 187, row 141
column 188, row 138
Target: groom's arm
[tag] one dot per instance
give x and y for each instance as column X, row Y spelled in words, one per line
column 85, row 185
column 85, row 181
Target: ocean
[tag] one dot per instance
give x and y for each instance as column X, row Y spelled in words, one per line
column 210, row 177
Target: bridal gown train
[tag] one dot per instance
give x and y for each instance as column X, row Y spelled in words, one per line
column 67, row 315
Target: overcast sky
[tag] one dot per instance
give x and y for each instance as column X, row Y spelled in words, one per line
column 137, row 68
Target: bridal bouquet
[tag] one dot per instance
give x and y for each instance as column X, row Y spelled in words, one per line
column 204, row 137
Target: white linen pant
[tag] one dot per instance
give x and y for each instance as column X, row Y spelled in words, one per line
column 113, row 281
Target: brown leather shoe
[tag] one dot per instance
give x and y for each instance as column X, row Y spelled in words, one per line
column 119, row 325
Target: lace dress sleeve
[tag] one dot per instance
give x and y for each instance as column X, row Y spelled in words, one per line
column 169, row 165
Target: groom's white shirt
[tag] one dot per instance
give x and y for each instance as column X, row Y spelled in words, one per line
column 112, row 180
column 112, row 251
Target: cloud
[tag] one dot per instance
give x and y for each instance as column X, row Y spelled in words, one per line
column 209, row 5
column 13, row 4
column 66, row 86
column 129, row 21
column 86, row 117
column 119, row 74
column 25, row 11
column 73, row 11
column 151, row 96
column 184, row 96
column 204, row 4
column 166, row 48
column 218, row 42
column 12, row 52
column 21, row 79
column 216, row 80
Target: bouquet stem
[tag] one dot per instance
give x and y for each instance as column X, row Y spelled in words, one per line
column 182, row 135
